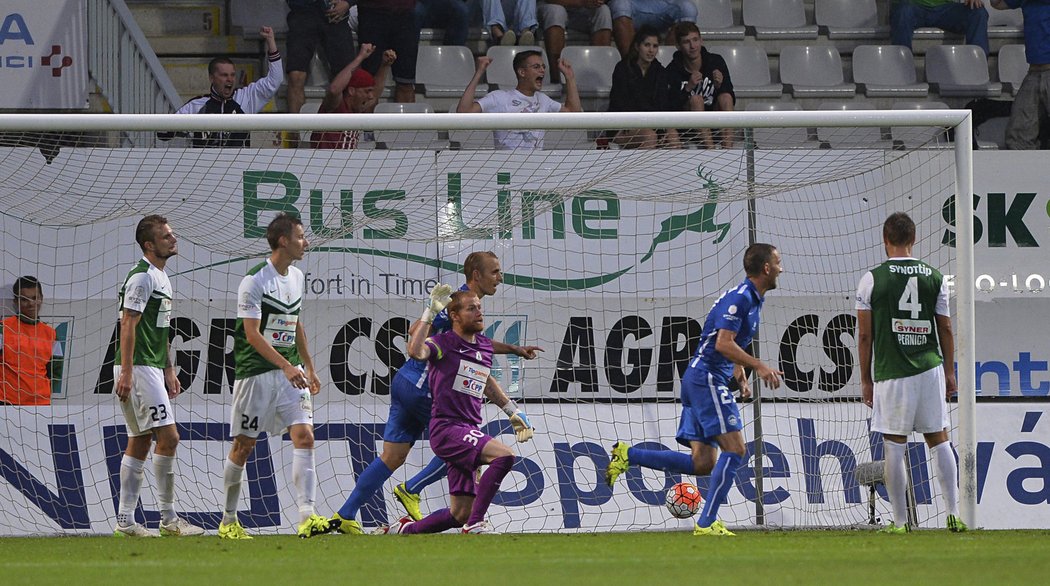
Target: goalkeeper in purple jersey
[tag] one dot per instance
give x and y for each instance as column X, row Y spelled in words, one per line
column 410, row 402
column 459, row 363
column 710, row 424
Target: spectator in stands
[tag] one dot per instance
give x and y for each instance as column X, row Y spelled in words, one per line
column 640, row 84
column 1030, row 116
column 526, row 97
column 601, row 19
column 352, row 91
column 27, row 347
column 224, row 99
column 454, row 16
column 699, row 81
column 313, row 24
column 493, row 12
column 390, row 24
column 967, row 17
column 662, row 14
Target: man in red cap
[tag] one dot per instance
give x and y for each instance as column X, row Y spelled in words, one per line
column 352, row 91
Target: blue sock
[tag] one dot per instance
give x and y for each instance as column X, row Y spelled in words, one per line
column 435, row 470
column 368, row 483
column 721, row 481
column 667, row 460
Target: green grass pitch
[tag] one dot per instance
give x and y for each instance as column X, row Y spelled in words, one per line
column 665, row 558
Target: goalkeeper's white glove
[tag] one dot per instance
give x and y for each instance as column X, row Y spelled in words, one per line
column 523, row 429
column 440, row 296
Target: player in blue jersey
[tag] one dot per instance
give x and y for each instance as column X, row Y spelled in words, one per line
column 410, row 401
column 710, row 423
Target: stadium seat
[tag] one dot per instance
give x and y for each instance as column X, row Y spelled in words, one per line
column 501, row 71
column 715, row 20
column 445, row 71
column 887, row 71
column 749, row 70
column 594, row 67
column 777, row 19
column 814, row 72
column 960, row 70
column 781, row 138
column 849, row 19
column 1004, row 23
column 918, row 136
column 1012, row 67
column 407, row 139
column 868, row 137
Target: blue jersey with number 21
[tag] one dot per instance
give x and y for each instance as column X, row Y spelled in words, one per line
column 737, row 310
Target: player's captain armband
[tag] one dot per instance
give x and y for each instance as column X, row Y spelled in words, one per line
column 164, row 313
column 280, row 330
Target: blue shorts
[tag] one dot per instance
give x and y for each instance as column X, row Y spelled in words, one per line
column 708, row 408
column 409, row 409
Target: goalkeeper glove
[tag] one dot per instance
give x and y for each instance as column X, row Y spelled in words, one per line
column 440, row 296
column 523, row 429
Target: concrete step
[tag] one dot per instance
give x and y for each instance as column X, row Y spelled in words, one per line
column 180, row 17
column 205, row 45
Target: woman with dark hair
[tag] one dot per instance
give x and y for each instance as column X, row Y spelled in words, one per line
column 639, row 84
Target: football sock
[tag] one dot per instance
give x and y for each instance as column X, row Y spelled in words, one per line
column 305, row 481
column 231, row 481
column 131, row 475
column 896, row 480
column 667, row 460
column 947, row 474
column 434, row 471
column 368, row 483
column 490, row 481
column 163, row 469
column 721, row 481
column 435, row 522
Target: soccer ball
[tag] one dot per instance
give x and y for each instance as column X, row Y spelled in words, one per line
column 683, row 500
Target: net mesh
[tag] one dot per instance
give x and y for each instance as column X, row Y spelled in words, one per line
column 611, row 258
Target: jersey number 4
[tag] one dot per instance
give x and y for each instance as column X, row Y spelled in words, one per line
column 909, row 301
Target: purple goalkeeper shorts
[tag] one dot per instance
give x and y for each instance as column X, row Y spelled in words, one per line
column 459, row 445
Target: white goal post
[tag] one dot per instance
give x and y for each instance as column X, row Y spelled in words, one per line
column 585, row 173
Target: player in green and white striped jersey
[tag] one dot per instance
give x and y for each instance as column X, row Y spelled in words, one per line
column 146, row 381
column 903, row 320
column 274, row 377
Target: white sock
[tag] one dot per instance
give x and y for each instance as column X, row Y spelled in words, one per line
column 231, row 482
column 163, row 469
column 947, row 475
column 131, row 476
column 897, row 480
column 305, row 481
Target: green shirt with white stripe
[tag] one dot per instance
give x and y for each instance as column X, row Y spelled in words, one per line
column 147, row 290
column 275, row 300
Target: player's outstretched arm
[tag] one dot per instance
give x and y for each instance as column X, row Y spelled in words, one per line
column 526, row 352
column 725, row 344
column 523, row 429
column 440, row 296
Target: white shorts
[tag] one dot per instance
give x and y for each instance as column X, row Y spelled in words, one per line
column 268, row 402
column 914, row 403
column 148, row 406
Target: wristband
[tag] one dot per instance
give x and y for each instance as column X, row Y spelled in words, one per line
column 510, row 408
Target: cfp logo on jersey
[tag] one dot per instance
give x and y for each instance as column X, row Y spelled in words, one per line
column 508, row 369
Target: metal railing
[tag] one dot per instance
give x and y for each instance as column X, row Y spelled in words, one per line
column 123, row 64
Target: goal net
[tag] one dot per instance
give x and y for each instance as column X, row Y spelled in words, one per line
column 611, row 256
